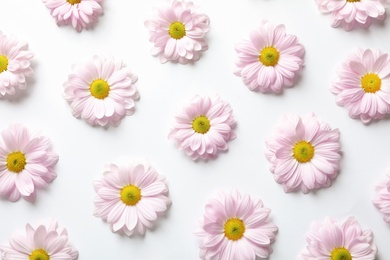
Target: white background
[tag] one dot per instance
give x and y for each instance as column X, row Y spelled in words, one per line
column 83, row 149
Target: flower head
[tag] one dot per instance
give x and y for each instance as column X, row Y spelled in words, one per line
column 304, row 153
column 362, row 85
column 382, row 197
column 26, row 163
column 178, row 32
column 14, row 65
column 352, row 13
column 270, row 59
column 130, row 197
column 204, row 127
column 47, row 241
column 79, row 13
column 101, row 91
column 235, row 226
column 329, row 239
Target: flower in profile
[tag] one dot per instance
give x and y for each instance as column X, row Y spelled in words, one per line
column 47, row 241
column 130, row 197
column 352, row 13
column 178, row 32
column 26, row 163
column 235, row 226
column 362, row 85
column 203, row 127
column 382, row 197
column 270, row 59
column 304, row 153
column 330, row 239
column 79, row 13
column 101, row 91
column 14, row 65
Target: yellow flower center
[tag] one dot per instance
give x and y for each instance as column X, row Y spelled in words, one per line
column 130, row 195
column 303, row 151
column 16, row 162
column 201, row 124
column 371, row 83
column 3, row 63
column 99, row 89
column 269, row 56
column 72, row 2
column 39, row 254
column 234, row 229
column 353, row 1
column 177, row 30
column 340, row 253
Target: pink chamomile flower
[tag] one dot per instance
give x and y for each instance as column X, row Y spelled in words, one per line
column 130, row 197
column 382, row 197
column 304, row 153
column 178, row 32
column 101, row 91
column 203, row 127
column 335, row 240
column 26, row 163
column 235, row 227
column 79, row 13
column 270, row 60
column 45, row 242
column 353, row 13
column 362, row 85
column 15, row 65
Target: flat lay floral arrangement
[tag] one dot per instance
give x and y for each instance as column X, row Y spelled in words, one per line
column 180, row 130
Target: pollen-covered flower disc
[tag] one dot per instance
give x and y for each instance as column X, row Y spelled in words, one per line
column 130, row 197
column 304, row 153
column 203, row 127
column 270, row 60
column 101, row 91
column 15, row 65
column 235, row 226
column 78, row 13
column 337, row 240
column 178, row 32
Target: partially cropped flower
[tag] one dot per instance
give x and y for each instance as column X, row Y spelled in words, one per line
column 352, row 13
column 14, row 65
column 330, row 239
column 101, row 91
column 45, row 242
column 178, row 32
column 235, row 227
column 130, row 197
column 203, row 127
column 79, row 13
column 362, row 85
column 382, row 197
column 26, row 163
column 270, row 59
column 304, row 153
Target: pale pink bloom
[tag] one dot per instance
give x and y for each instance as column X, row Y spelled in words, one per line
column 178, row 32
column 270, row 60
column 352, row 13
column 47, row 241
column 14, row 64
column 130, row 197
column 203, row 127
column 362, row 85
column 79, row 13
column 26, row 163
column 101, row 91
column 304, row 153
column 331, row 239
column 235, row 227
column 382, row 197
